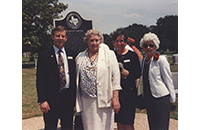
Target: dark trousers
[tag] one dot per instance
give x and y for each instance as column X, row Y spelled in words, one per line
column 158, row 111
column 61, row 109
column 78, row 123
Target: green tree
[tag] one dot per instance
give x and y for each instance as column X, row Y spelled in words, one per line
column 37, row 19
column 136, row 31
column 108, row 41
column 167, row 29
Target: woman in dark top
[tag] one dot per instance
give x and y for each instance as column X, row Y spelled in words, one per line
column 130, row 71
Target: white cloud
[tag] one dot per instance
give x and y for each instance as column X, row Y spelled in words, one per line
column 134, row 15
column 108, row 15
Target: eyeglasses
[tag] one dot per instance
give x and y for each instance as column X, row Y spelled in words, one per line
column 146, row 45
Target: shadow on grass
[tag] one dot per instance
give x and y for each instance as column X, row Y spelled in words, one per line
column 26, row 66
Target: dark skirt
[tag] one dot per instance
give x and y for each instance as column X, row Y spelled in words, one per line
column 126, row 115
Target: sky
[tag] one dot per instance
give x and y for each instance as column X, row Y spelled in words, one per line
column 108, row 15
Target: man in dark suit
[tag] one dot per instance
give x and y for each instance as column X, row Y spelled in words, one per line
column 56, row 82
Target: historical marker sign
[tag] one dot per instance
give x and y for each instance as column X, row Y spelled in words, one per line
column 76, row 27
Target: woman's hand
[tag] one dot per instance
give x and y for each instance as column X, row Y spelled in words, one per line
column 115, row 101
column 124, row 73
column 116, row 105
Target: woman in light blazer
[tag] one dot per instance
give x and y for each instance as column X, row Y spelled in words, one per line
column 98, row 83
column 158, row 88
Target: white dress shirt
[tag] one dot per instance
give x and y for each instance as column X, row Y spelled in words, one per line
column 64, row 56
column 129, row 48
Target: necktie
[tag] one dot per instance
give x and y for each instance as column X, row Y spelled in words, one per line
column 61, row 70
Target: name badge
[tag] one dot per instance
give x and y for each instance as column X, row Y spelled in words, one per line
column 125, row 61
column 69, row 57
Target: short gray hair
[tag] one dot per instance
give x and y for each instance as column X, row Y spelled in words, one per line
column 150, row 37
column 92, row 31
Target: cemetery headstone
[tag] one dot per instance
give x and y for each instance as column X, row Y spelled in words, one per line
column 35, row 64
column 76, row 28
column 175, row 81
column 24, row 54
column 175, row 59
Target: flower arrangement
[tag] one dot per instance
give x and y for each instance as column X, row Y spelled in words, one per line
column 156, row 57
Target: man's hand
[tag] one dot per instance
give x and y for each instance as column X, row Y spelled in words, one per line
column 44, row 106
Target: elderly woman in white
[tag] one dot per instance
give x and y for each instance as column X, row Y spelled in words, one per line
column 98, row 83
column 158, row 88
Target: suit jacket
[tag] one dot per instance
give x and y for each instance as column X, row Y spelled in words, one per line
column 48, row 79
column 108, row 78
column 160, row 78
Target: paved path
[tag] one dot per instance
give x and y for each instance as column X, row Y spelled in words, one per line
column 36, row 123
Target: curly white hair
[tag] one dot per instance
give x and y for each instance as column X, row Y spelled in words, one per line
column 150, row 37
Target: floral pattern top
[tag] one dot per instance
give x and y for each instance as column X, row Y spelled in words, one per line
column 88, row 76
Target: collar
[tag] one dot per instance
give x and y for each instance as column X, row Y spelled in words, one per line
column 56, row 49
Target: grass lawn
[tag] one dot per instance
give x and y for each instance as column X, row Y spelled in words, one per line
column 30, row 107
